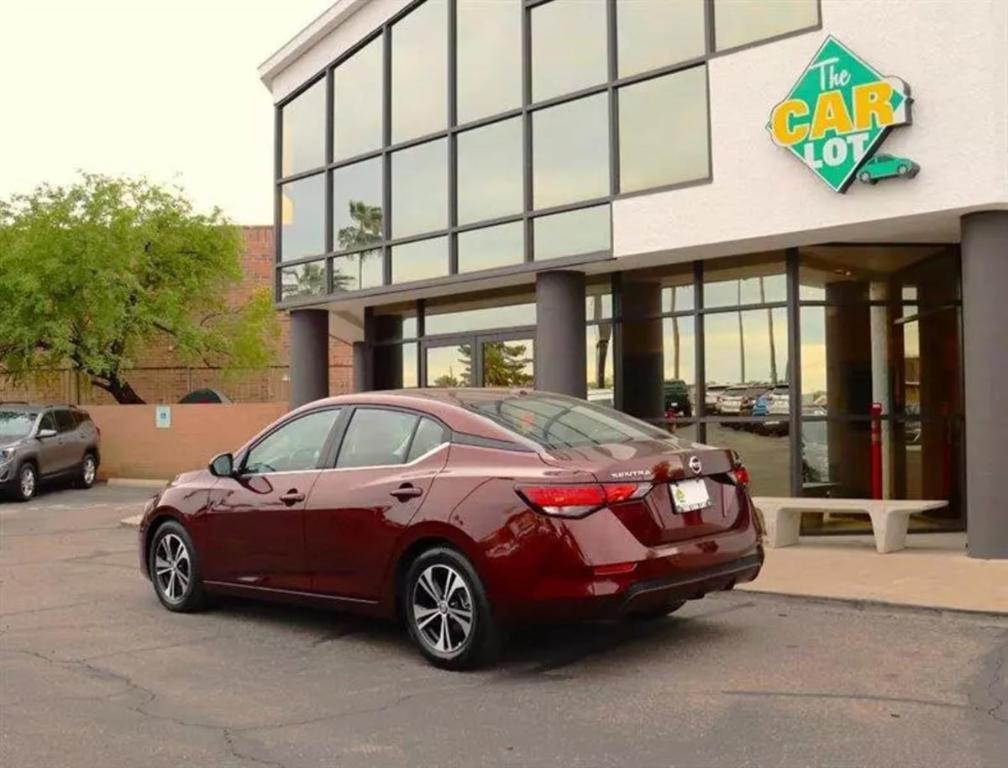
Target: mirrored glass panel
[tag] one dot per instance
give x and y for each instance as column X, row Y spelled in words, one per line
column 395, row 321
column 449, row 366
column 303, row 131
column 599, row 357
column 420, row 72
column 766, row 456
column 756, row 279
column 747, row 350
column 448, row 319
column 302, row 280
column 490, row 171
column 843, row 274
column 420, row 260
column 395, row 366
column 598, row 303
column 357, row 102
column 574, row 232
column 357, row 204
column 570, row 152
column 569, row 45
column 420, row 188
column 488, row 73
column 302, row 217
column 738, row 22
column 357, row 271
column 656, row 33
column 508, row 363
column 663, row 131
column 491, row 247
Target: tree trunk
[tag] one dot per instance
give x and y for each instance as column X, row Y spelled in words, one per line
column 123, row 393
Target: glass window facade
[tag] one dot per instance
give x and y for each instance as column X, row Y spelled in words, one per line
column 458, row 113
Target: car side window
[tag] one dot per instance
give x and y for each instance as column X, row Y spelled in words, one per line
column 429, row 435
column 65, row 420
column 48, row 422
column 376, row 438
column 294, row 447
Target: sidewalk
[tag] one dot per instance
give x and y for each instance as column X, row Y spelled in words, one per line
column 933, row 571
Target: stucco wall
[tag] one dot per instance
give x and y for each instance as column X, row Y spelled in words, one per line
column 132, row 446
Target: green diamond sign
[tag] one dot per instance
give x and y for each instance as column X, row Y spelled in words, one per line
column 837, row 115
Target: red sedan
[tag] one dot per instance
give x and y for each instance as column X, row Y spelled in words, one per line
column 458, row 511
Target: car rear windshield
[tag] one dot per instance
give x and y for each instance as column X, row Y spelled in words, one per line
column 16, row 424
column 555, row 421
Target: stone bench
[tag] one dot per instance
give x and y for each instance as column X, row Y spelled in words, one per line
column 889, row 518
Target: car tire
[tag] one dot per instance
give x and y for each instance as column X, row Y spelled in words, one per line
column 865, row 177
column 437, row 623
column 174, row 569
column 26, row 482
column 88, row 471
column 901, row 170
column 655, row 613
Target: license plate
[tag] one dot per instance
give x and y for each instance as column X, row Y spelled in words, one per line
column 689, row 495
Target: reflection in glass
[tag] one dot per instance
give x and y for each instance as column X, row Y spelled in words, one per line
column 746, row 347
column 420, row 188
column 420, row 260
column 663, row 130
column 678, row 298
column 483, row 318
column 767, row 457
column 738, row 22
column 491, row 247
column 679, row 366
column 508, row 363
column 395, row 322
column 568, row 47
column 599, row 356
column 842, row 369
column 755, row 279
column 570, row 151
column 449, row 366
column 598, row 303
column 357, row 102
column 357, row 204
column 357, row 271
column 302, row 280
column 567, row 234
column 420, row 72
column 490, row 171
column 654, row 33
column 395, row 366
column 302, row 217
column 303, row 131
column 489, row 57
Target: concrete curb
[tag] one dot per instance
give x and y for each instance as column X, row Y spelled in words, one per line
column 136, row 482
column 131, row 522
column 863, row 603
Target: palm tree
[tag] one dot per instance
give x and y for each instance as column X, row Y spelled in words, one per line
column 366, row 230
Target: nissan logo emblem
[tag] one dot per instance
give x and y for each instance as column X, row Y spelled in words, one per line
column 695, row 465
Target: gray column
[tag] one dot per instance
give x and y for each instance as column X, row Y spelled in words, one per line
column 362, row 374
column 560, row 361
column 309, row 355
column 643, row 350
column 985, row 372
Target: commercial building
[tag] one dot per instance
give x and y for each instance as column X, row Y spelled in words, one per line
column 776, row 226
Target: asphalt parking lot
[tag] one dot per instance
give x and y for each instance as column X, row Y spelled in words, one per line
column 93, row 672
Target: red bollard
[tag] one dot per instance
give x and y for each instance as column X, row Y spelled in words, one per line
column 876, row 450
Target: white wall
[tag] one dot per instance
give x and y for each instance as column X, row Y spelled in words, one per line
column 953, row 54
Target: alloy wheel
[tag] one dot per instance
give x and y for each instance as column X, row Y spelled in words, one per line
column 89, row 469
column 442, row 608
column 172, row 568
column 27, row 481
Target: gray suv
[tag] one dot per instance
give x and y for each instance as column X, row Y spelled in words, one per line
column 41, row 442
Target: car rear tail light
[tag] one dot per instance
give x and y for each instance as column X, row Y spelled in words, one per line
column 740, row 475
column 616, row 569
column 580, row 499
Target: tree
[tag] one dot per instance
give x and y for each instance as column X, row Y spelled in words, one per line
column 366, row 230
column 93, row 272
column 505, row 365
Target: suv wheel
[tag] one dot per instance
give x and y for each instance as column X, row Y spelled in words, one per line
column 27, row 482
column 88, row 471
column 447, row 611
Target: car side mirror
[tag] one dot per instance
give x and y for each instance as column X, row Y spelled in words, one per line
column 46, row 433
column 222, row 465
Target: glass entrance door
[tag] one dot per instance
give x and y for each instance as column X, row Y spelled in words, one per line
column 479, row 360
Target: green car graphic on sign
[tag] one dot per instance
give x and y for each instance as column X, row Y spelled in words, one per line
column 887, row 166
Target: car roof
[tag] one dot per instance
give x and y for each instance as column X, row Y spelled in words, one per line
column 21, row 405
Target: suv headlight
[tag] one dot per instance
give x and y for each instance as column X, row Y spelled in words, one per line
column 6, row 454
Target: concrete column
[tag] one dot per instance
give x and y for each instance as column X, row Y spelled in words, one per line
column 643, row 352
column 309, row 355
column 362, row 373
column 985, row 371
column 560, row 359
column 879, row 291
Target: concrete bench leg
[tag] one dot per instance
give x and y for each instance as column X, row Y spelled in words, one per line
column 782, row 526
column 890, row 531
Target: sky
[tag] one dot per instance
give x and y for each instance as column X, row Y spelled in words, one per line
column 166, row 89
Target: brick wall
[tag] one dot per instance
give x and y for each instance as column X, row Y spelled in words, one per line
column 160, row 377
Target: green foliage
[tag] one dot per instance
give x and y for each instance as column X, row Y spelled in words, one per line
column 94, row 272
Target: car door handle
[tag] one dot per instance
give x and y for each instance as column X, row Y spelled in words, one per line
column 406, row 491
column 293, row 496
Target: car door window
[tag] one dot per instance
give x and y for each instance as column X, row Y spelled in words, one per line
column 295, row 446
column 65, row 421
column 48, row 422
column 376, row 438
column 429, row 435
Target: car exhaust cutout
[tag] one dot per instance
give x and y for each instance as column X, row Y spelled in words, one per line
column 578, row 500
